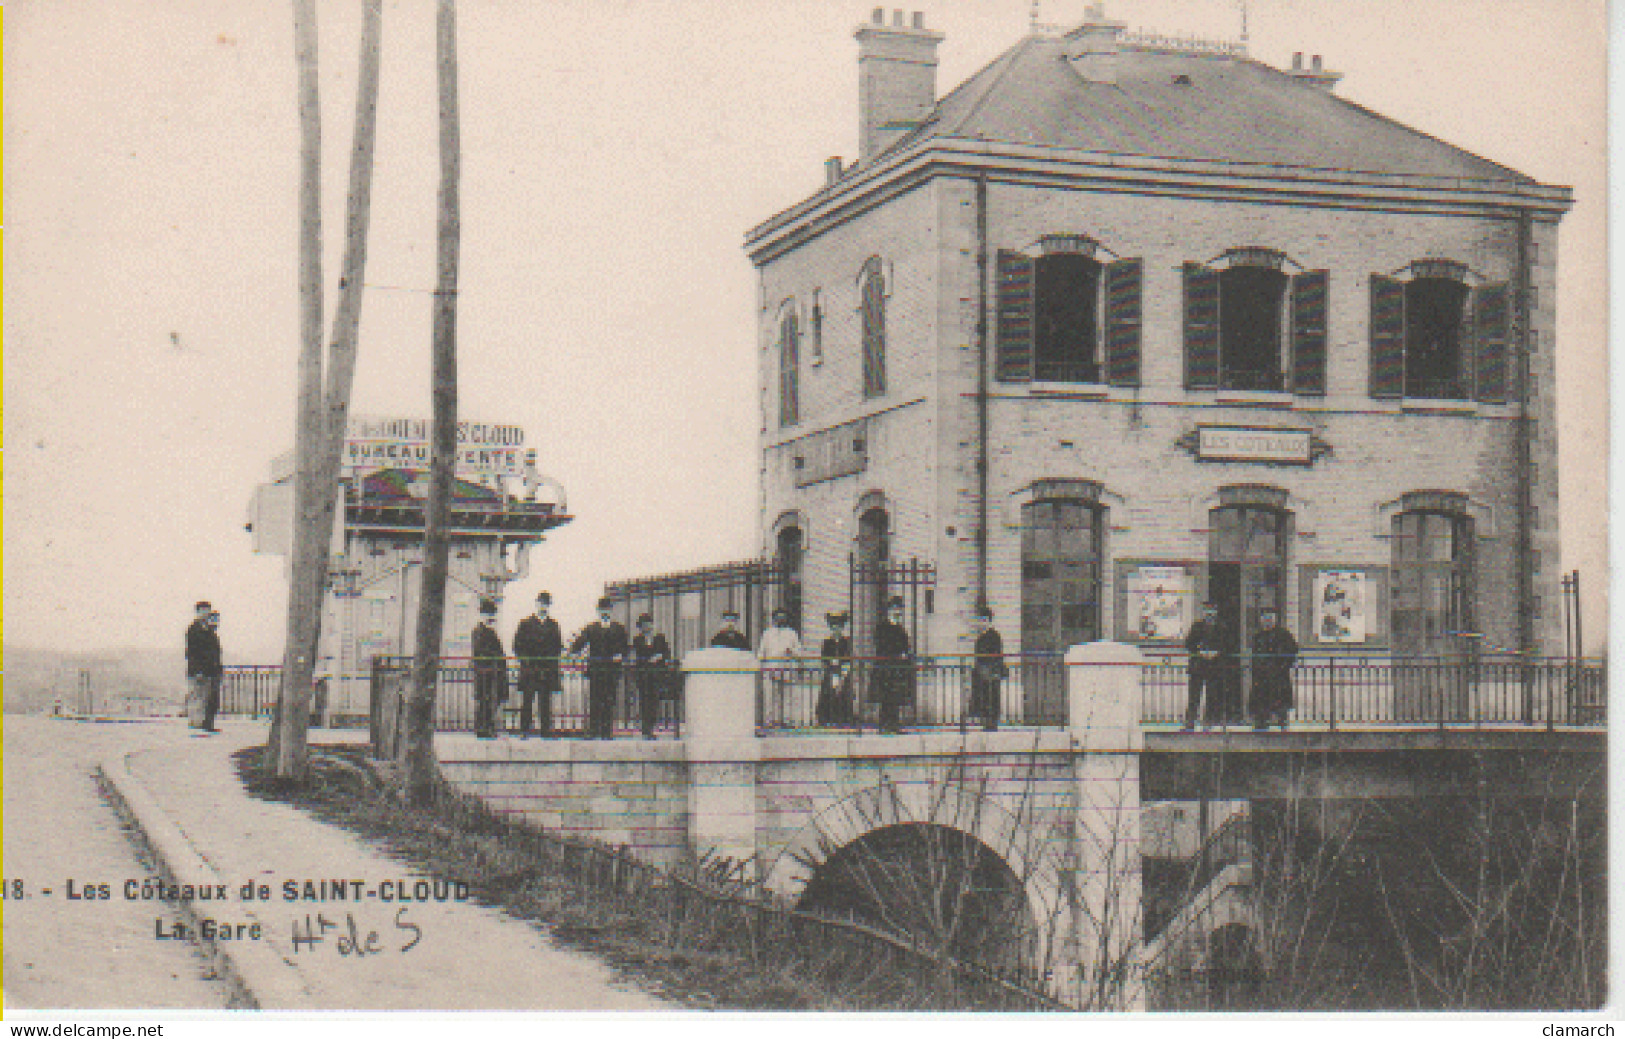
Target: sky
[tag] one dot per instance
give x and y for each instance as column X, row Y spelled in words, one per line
column 614, row 154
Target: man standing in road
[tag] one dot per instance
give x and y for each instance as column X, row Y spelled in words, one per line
column 605, row 644
column 538, row 644
column 490, row 671
column 204, row 668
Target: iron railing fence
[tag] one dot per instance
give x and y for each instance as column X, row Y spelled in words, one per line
column 250, row 689
column 1333, row 692
column 1328, row 692
column 935, row 693
column 455, row 707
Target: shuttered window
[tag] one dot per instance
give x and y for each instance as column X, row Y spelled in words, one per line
column 1201, row 327
column 874, row 329
column 1387, row 337
column 1433, row 337
column 789, row 371
column 1013, row 359
column 1066, row 317
column 1309, row 292
column 1492, row 335
column 1124, row 279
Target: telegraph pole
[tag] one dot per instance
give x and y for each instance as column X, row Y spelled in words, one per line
column 421, row 766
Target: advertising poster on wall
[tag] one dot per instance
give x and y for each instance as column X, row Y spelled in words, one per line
column 1341, row 603
column 1160, row 601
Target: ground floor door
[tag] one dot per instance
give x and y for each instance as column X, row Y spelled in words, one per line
column 1247, row 567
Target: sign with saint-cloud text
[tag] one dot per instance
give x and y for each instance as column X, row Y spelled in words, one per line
column 483, row 448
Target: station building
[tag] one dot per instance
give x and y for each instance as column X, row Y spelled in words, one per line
column 1121, row 324
column 501, row 507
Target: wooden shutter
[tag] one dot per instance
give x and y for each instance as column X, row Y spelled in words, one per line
column 1387, row 337
column 1491, row 307
column 1013, row 361
column 1201, row 327
column 1123, row 294
column 789, row 371
column 1309, row 333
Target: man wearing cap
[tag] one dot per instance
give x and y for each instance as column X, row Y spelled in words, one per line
column 604, row 642
column 538, row 644
column 490, row 671
column 894, row 667
column 834, row 705
column 730, row 637
column 987, row 671
column 651, row 671
column 204, row 669
column 1206, row 670
column 1274, row 653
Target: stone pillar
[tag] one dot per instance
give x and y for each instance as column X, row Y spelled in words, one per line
column 1103, row 701
column 719, row 734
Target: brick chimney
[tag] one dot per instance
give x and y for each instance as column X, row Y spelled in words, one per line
column 897, row 78
column 1316, row 75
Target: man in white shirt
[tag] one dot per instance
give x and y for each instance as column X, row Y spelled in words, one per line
column 778, row 653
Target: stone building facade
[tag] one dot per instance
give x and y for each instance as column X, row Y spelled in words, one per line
column 1118, row 326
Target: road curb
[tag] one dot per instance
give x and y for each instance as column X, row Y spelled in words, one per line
column 262, row 978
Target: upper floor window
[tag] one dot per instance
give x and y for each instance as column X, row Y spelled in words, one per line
column 1253, row 324
column 872, row 293
column 1434, row 334
column 789, row 369
column 1067, row 316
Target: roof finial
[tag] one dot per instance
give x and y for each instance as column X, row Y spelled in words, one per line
column 1244, row 23
column 1032, row 17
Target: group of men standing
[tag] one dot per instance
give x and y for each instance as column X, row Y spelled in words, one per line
column 538, row 643
column 646, row 659
column 1215, row 672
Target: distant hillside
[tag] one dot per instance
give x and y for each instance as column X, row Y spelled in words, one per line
column 35, row 678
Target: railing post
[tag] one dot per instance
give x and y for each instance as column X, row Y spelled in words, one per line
column 722, row 751
column 1103, row 681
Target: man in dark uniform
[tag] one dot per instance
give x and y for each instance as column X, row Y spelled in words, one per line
column 894, row 667
column 651, row 671
column 988, row 670
column 834, row 705
column 1274, row 653
column 1205, row 643
column 538, row 645
column 730, row 637
column 604, row 642
column 490, row 671
column 204, row 668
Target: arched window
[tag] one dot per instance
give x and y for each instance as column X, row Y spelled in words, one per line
column 1433, row 581
column 789, row 369
column 1438, row 331
column 788, row 555
column 872, row 290
column 1250, row 324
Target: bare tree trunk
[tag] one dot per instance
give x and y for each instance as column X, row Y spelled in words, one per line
column 320, row 440
column 286, row 751
column 422, row 770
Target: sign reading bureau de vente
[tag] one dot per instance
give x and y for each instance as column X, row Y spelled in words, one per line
column 1241, row 444
column 483, row 448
